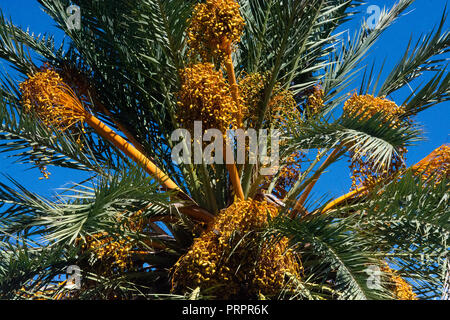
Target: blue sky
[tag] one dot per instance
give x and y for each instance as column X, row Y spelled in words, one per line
column 421, row 18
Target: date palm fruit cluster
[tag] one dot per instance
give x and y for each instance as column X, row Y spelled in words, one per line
column 215, row 25
column 229, row 259
column 205, row 96
column 282, row 105
column 289, row 174
column 215, row 28
column 365, row 171
column 112, row 251
column 401, row 289
column 116, row 252
column 315, row 101
column 282, row 109
column 54, row 102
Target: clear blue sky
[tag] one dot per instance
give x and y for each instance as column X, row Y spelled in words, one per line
column 424, row 14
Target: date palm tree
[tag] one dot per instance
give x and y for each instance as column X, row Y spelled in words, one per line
column 141, row 226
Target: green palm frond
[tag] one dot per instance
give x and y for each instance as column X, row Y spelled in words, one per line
column 27, row 268
column 418, row 59
column 344, row 63
column 289, row 39
column 328, row 248
column 368, row 135
column 435, row 91
column 82, row 210
column 410, row 222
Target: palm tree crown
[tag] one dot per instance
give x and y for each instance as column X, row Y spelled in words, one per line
column 109, row 101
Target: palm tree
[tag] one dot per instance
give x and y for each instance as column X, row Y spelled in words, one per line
column 141, row 226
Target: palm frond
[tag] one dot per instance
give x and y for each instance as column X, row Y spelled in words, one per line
column 328, row 248
column 368, row 135
column 418, row 59
column 83, row 210
column 344, row 62
column 410, row 221
column 435, row 91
